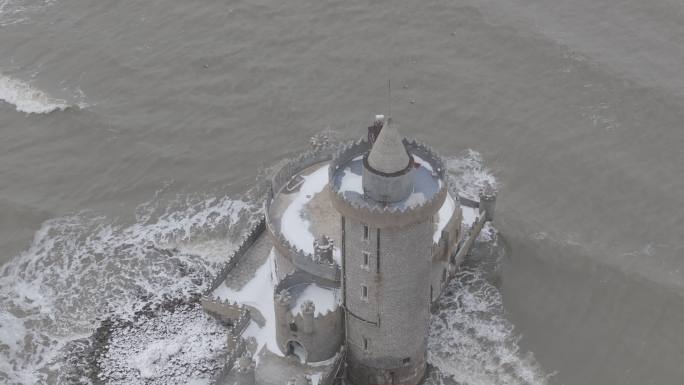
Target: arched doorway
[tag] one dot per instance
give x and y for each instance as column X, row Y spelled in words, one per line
column 294, row 348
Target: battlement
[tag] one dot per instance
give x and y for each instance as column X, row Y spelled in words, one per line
column 226, row 312
column 385, row 215
column 326, row 269
column 308, row 158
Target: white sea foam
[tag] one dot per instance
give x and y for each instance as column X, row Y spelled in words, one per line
column 469, row 174
column 85, row 267
column 28, row 99
column 471, row 342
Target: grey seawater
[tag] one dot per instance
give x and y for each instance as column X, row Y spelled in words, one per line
column 129, row 123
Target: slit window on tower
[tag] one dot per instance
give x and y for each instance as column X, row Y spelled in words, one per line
column 377, row 256
column 365, row 343
column 364, row 292
column 366, row 232
column 366, row 259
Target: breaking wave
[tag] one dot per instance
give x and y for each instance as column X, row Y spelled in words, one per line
column 30, row 100
column 83, row 268
column 471, row 342
column 469, row 173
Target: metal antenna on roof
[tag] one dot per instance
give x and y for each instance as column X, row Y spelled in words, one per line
column 389, row 98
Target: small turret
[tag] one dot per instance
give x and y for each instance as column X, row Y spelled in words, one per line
column 308, row 309
column 323, row 249
column 487, row 201
column 283, row 301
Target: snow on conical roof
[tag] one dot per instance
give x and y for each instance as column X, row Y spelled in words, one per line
column 388, row 154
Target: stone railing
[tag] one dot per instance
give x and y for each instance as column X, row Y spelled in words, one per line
column 227, row 313
column 301, row 259
column 245, row 242
column 376, row 214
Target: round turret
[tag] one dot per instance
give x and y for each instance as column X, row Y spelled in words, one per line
column 323, row 249
column 488, row 201
column 308, row 310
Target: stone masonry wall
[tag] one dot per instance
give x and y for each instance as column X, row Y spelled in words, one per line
column 393, row 318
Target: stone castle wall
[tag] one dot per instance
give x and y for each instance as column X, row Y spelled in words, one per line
column 244, row 244
column 321, row 335
column 394, row 342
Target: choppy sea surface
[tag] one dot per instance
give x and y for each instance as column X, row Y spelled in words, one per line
column 129, row 127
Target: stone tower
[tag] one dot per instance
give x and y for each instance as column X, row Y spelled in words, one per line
column 387, row 167
column 387, row 239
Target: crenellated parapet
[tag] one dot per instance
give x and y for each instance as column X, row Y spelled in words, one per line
column 427, row 153
column 238, row 367
column 325, row 268
column 386, row 215
column 244, row 243
column 293, row 166
column 229, row 313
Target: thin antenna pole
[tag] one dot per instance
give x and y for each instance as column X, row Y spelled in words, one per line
column 389, row 98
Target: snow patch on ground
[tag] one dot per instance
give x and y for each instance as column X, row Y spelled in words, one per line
column 294, row 225
column 172, row 348
column 325, row 300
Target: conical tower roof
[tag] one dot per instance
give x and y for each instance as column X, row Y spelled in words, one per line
column 388, row 154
